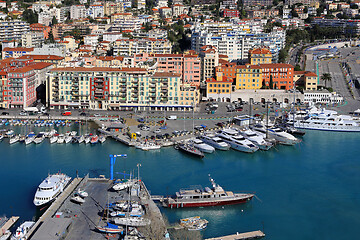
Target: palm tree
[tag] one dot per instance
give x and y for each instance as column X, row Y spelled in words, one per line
column 326, row 77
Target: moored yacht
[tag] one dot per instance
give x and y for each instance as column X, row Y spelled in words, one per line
column 50, row 188
column 14, row 139
column 61, row 138
column 278, row 134
column 30, row 138
column 236, row 141
column 216, row 142
column 256, row 138
column 199, row 144
column 22, row 230
column 199, row 197
column 54, row 138
column 39, row 138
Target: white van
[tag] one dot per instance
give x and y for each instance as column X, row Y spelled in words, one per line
column 172, row 117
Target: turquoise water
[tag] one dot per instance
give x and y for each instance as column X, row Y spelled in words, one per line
column 308, row 191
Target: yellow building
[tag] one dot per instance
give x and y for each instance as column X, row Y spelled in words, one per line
column 109, row 61
column 307, row 79
column 118, row 89
column 219, row 88
column 248, row 77
column 260, row 56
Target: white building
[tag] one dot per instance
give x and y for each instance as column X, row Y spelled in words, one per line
column 50, row 49
column 112, row 36
column 13, row 30
column 32, row 39
column 96, row 10
column 78, row 11
column 322, row 96
column 236, row 40
column 161, row 3
column 91, row 40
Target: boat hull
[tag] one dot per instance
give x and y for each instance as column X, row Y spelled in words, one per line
column 209, row 204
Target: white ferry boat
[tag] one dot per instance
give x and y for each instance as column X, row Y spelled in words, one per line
column 50, row 188
column 326, row 120
column 236, row 141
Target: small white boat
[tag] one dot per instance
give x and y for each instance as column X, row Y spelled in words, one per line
column 202, row 146
column 1, row 137
column 132, row 221
column 194, row 223
column 81, row 139
column 68, row 139
column 123, row 184
column 73, row 133
column 87, row 139
column 39, row 138
column 110, row 228
column 102, row 139
column 61, row 138
column 22, row 230
column 54, row 138
column 77, row 199
column 30, row 138
column 257, row 138
column 14, row 139
column 6, row 235
column 10, row 133
column 146, row 146
column 82, row 193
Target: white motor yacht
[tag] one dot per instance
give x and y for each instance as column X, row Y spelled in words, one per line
column 278, row 134
column 61, row 138
column 81, row 139
column 256, row 138
column 39, row 138
column 87, row 139
column 10, row 133
column 102, row 139
column 199, row 144
column 50, row 188
column 22, row 230
column 236, row 141
column 216, row 142
column 1, row 137
column 14, row 139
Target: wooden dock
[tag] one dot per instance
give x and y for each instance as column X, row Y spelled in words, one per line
column 241, row 236
column 8, row 225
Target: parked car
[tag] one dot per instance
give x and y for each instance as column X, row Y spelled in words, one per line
column 96, row 115
column 66, row 113
column 141, row 125
column 141, row 120
column 220, row 124
column 4, row 113
column 82, row 114
column 145, row 128
column 199, row 128
column 172, row 117
column 176, row 132
column 157, row 131
column 23, row 113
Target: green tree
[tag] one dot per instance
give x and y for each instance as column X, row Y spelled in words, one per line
column 30, row 16
column 297, row 68
column 271, row 83
column 326, row 77
column 54, row 21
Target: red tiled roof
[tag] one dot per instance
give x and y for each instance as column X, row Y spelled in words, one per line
column 97, row 69
column 21, row 70
column 223, row 79
column 22, row 49
column 41, row 57
column 40, row 65
column 259, row 51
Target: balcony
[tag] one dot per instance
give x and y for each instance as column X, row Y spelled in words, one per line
column 152, row 85
column 135, row 80
column 55, row 94
column 99, row 80
column 152, row 90
column 165, row 90
column 99, row 86
column 134, row 95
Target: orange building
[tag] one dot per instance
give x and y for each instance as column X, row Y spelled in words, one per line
column 260, row 56
column 228, row 69
column 38, row 27
column 280, row 74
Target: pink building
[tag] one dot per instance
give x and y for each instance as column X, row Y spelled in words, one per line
column 21, row 87
column 188, row 65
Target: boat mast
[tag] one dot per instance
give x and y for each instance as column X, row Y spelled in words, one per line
column 267, row 119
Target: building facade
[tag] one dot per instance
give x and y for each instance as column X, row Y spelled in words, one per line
column 13, row 30
column 249, row 77
column 109, row 88
column 128, row 47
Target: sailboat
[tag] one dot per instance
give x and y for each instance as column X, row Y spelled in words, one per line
column 109, row 228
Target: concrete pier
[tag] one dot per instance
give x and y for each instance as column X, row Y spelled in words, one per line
column 241, row 236
column 8, row 225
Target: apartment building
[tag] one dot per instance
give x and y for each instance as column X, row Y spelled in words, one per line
column 16, row 52
column 37, row 27
column 236, row 44
column 12, row 30
column 260, row 3
column 228, row 69
column 110, row 88
column 32, row 39
column 128, row 47
column 78, row 12
column 210, row 58
column 260, row 56
column 3, row 89
column 95, row 11
column 307, row 79
column 280, row 75
column 21, row 87
column 113, row 7
column 109, row 61
column 219, row 88
column 187, row 65
column 248, row 77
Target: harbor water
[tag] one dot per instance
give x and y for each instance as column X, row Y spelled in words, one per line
column 307, row 191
